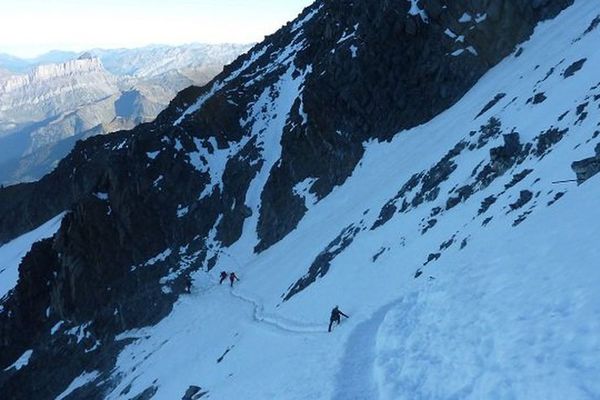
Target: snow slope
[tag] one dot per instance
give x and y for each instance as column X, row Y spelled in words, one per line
column 12, row 252
column 505, row 304
column 516, row 320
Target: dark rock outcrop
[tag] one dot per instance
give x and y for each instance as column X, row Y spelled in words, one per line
column 504, row 157
column 193, row 393
column 573, row 68
column 588, row 167
column 321, row 264
column 525, row 197
column 491, row 104
column 548, row 139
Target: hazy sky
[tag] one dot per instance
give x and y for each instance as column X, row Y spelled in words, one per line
column 31, row 27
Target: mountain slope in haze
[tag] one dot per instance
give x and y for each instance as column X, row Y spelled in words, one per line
column 198, row 61
column 18, row 65
column 145, row 61
column 47, row 109
column 325, row 171
column 13, row 64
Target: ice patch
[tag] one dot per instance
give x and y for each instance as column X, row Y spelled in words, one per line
column 298, row 24
column 416, row 10
column 346, row 36
column 121, row 145
column 12, row 252
column 302, row 190
column 56, row 327
column 178, row 146
column 153, row 154
column 182, row 211
column 79, row 332
column 212, row 160
column 480, row 18
column 101, row 195
column 95, row 347
column 80, row 381
column 22, row 361
column 466, row 17
column 450, row 34
column 157, row 181
column 159, row 258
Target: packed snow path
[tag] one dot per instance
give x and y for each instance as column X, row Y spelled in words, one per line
column 284, row 324
column 220, row 355
column 355, row 379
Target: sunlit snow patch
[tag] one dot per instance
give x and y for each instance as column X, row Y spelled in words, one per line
column 12, row 252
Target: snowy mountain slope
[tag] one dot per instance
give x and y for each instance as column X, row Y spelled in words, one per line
column 511, row 315
column 304, row 168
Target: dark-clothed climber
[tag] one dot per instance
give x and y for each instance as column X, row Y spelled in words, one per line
column 223, row 277
column 232, row 278
column 336, row 315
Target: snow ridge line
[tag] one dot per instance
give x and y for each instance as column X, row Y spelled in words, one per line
column 280, row 323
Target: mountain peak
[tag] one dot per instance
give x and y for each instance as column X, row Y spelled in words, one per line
column 86, row 56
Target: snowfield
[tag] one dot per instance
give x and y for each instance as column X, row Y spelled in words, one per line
column 505, row 304
column 12, row 252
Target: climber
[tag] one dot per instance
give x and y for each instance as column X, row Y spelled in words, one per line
column 336, row 315
column 223, row 276
column 232, row 278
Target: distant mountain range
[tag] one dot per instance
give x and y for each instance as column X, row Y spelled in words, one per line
column 134, row 61
column 48, row 103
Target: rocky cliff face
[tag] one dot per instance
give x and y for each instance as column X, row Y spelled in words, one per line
column 50, row 89
column 282, row 125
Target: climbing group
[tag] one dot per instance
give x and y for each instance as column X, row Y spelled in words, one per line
column 336, row 313
column 187, row 280
column 232, row 277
